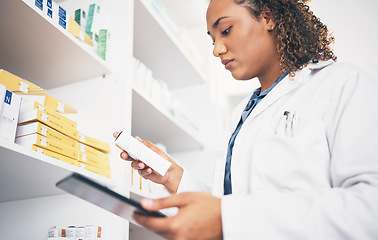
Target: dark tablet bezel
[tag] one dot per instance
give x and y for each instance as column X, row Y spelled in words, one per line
column 67, row 185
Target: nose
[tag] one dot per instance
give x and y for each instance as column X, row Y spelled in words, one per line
column 219, row 49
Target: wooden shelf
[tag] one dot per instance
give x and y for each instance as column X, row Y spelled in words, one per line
column 27, row 174
column 153, row 123
column 33, row 48
column 157, row 47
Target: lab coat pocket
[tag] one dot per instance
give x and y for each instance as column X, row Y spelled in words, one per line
column 292, row 153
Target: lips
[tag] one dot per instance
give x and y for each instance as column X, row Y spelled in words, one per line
column 227, row 63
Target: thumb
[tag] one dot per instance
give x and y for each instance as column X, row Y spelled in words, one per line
column 176, row 200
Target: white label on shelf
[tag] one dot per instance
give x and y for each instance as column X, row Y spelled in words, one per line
column 82, row 147
column 82, row 138
column 84, row 157
column 44, row 131
column 81, row 35
column 24, row 87
column 44, row 117
column 43, row 141
column 41, row 108
column 60, row 107
column 39, row 150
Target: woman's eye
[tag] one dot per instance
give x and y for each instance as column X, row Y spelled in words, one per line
column 227, row 31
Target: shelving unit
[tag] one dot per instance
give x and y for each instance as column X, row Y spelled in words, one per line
column 28, row 174
column 160, row 50
column 38, row 50
column 164, row 128
column 43, row 48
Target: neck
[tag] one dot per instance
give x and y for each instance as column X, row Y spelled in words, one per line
column 269, row 77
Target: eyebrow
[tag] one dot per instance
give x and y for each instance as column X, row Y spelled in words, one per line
column 215, row 25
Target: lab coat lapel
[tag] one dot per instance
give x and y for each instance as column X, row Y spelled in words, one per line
column 282, row 88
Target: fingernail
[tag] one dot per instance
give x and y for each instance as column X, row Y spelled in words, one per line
column 147, row 203
column 140, row 165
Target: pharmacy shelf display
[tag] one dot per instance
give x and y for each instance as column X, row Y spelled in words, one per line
column 157, row 125
column 29, row 38
column 26, row 174
column 157, row 46
column 32, row 46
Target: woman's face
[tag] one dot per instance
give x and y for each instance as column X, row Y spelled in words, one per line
column 246, row 46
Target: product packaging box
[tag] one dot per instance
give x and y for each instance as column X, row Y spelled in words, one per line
column 3, row 90
column 75, row 29
column 18, row 85
column 41, row 129
column 49, row 101
column 94, row 169
column 49, row 144
column 71, row 232
column 92, row 232
column 81, row 17
column 102, row 146
column 29, row 105
column 95, row 19
column 9, row 114
column 93, row 157
column 37, row 115
column 102, row 44
column 54, row 155
column 57, row 231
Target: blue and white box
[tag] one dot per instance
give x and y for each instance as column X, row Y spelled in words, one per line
column 9, row 114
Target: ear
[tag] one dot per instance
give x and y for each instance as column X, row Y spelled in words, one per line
column 268, row 17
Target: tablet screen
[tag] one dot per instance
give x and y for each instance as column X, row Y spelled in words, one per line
column 103, row 197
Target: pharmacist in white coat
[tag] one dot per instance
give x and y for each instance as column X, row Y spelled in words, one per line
column 300, row 159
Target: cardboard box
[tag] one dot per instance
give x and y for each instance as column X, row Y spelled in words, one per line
column 54, row 155
column 94, row 169
column 9, row 115
column 81, row 17
column 27, row 105
column 18, row 85
column 92, row 232
column 93, row 157
column 49, row 101
column 95, row 19
column 102, row 146
column 3, row 90
column 57, row 231
column 41, row 129
column 75, row 29
column 37, row 115
column 49, row 144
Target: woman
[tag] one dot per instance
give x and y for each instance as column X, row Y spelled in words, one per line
column 300, row 160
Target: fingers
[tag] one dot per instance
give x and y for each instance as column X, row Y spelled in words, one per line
column 176, row 200
column 152, row 223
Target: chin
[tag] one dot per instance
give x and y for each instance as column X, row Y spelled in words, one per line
column 241, row 77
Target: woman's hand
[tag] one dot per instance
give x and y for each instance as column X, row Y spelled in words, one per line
column 172, row 177
column 199, row 216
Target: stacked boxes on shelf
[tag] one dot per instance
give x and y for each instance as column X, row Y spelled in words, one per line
column 44, row 127
column 89, row 232
column 92, row 19
column 158, row 90
column 88, row 28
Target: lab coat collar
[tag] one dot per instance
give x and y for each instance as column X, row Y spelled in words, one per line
column 319, row 65
column 287, row 85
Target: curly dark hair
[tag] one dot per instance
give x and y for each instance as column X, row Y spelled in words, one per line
column 301, row 36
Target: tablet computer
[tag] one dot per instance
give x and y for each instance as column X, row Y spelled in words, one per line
column 103, row 197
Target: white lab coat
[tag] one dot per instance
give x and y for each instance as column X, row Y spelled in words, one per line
column 313, row 177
